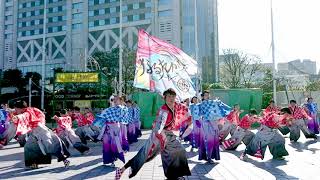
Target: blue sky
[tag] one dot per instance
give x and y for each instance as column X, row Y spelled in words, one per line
column 245, row 25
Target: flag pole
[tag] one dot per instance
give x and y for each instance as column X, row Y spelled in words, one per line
column 120, row 52
column 196, row 47
column 273, row 58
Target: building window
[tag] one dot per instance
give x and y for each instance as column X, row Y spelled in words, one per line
column 136, row 17
column 91, row 2
column 20, row 5
column 55, row 29
column 9, row 27
column 113, row 20
column 77, row 26
column 28, row 23
column 148, row 4
column 36, row 32
column 77, row 5
column 8, row 36
column 37, row 12
column 136, row 6
column 20, row 24
column 77, row 16
column 37, row 3
column 28, row 13
column 91, row 24
column 64, row 28
column 113, row 0
column 91, row 13
column 102, row 1
column 64, row 8
column 124, row 8
column 101, row 22
column 8, row 18
column 28, row 4
column 165, row 13
column 64, row 18
column 107, row 21
column 19, row 34
column 37, row 22
column 125, row 19
column 53, row 10
column 148, row 15
column 113, row 10
column 55, row 19
column 28, row 33
column 102, row 11
column 164, row 2
column 20, row 15
column 9, row 8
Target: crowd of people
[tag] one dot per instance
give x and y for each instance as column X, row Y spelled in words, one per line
column 208, row 125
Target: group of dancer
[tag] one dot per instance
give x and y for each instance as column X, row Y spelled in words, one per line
column 209, row 125
column 28, row 126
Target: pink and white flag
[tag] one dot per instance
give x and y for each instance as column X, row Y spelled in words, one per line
column 160, row 65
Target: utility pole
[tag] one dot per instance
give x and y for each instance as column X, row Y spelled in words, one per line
column 273, row 58
column 43, row 53
column 196, row 47
column 120, row 52
column 30, row 91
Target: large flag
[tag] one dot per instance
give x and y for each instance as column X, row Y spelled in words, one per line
column 160, row 65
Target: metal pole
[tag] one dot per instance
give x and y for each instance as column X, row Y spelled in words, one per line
column 85, row 59
column 43, row 53
column 196, row 47
column 30, row 90
column 120, row 52
column 273, row 57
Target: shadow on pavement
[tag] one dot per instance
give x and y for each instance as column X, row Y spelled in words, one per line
column 93, row 173
column 12, row 157
column 269, row 166
column 201, row 169
column 20, row 171
column 300, row 147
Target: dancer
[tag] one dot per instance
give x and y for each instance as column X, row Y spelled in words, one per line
column 228, row 124
column 242, row 133
column 163, row 140
column 123, row 123
column 41, row 141
column 211, row 111
column 110, row 134
column 67, row 134
column 84, row 130
column 269, row 136
column 299, row 123
column 196, row 121
column 136, row 119
column 312, row 110
column 132, row 136
column 272, row 108
column 7, row 128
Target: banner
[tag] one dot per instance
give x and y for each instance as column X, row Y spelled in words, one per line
column 82, row 104
column 160, row 65
column 77, row 77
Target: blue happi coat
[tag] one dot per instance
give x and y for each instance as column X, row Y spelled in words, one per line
column 212, row 110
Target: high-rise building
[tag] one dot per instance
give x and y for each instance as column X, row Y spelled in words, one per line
column 75, row 28
column 207, row 26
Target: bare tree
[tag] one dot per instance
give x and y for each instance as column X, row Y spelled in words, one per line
column 237, row 69
column 252, row 66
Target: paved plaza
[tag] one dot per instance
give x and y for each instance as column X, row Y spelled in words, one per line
column 302, row 163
